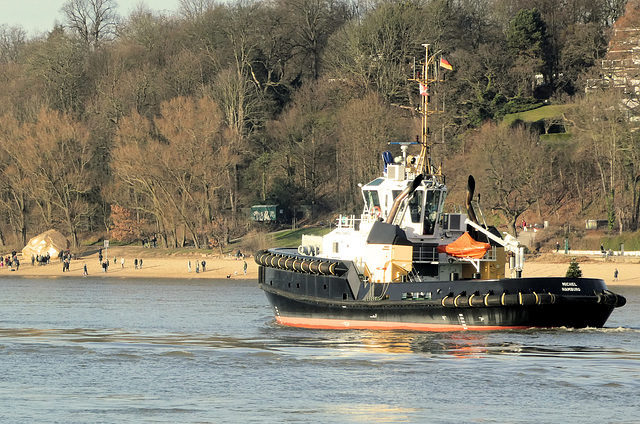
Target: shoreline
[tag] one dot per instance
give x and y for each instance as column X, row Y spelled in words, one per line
column 556, row 265
column 157, row 264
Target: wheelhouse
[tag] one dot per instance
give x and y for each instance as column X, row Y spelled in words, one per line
column 418, row 214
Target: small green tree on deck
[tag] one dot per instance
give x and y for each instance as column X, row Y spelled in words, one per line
column 574, row 270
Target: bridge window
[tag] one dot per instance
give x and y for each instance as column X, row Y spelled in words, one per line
column 371, row 198
column 415, row 207
column 432, row 207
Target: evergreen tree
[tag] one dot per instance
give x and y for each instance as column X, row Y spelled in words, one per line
column 574, row 270
column 529, row 44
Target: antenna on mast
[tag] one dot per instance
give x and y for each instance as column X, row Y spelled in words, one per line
column 424, row 163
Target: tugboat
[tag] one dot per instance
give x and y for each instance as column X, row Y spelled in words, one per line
column 405, row 264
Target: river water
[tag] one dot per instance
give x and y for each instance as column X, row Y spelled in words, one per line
column 84, row 350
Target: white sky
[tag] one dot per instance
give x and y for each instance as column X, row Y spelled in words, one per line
column 39, row 16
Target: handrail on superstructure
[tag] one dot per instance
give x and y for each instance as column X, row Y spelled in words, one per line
column 509, row 243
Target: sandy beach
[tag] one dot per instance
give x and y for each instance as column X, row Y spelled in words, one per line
column 159, row 264
column 556, row 265
column 156, row 263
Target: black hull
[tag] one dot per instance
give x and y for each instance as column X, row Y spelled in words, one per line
column 313, row 300
column 428, row 316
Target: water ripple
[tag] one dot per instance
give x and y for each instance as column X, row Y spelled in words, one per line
column 535, row 343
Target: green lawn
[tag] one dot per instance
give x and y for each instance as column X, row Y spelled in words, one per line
column 534, row 115
column 291, row 238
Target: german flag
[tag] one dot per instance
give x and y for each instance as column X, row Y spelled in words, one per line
column 444, row 63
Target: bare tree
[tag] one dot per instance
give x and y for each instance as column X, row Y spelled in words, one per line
column 512, row 159
column 365, row 127
column 602, row 124
column 57, row 157
column 311, row 22
column 58, row 63
column 374, row 54
column 94, row 20
column 15, row 203
column 175, row 174
column 195, row 9
column 12, row 40
column 236, row 91
column 192, row 130
column 135, row 175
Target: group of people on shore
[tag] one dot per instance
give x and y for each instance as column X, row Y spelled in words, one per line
column 11, row 261
column 41, row 259
column 65, row 258
column 204, row 266
column 150, row 243
column 105, row 263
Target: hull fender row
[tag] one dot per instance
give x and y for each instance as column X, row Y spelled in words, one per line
column 491, row 300
column 298, row 264
column 607, row 297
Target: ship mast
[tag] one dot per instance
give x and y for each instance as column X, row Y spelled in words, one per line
column 424, row 163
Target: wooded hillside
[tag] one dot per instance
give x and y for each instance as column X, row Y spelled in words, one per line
column 132, row 126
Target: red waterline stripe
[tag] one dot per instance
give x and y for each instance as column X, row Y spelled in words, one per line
column 335, row 324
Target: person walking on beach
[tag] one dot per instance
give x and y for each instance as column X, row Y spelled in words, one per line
column 84, row 270
column 615, row 275
column 140, row 263
column 203, row 265
column 197, row 267
column 244, row 267
column 122, row 262
column 189, row 266
column 135, row 263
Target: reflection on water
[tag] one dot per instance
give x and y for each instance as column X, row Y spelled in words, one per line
column 535, row 342
column 376, row 413
column 128, row 340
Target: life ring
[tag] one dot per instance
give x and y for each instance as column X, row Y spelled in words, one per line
column 376, row 211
